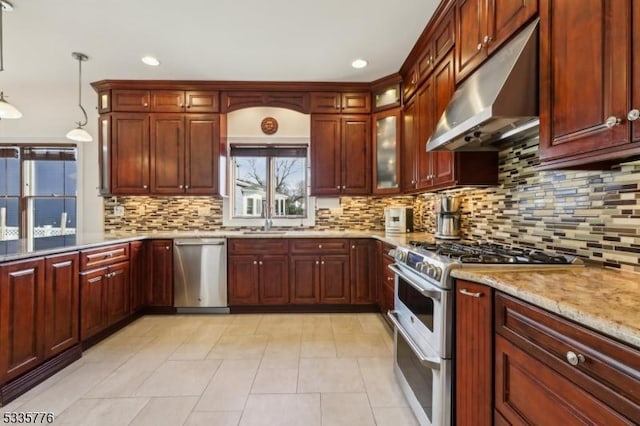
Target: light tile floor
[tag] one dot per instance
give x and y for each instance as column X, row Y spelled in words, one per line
column 272, row 369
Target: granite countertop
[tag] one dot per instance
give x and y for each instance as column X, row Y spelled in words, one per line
column 605, row 300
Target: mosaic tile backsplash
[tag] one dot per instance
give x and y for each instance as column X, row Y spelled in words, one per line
column 591, row 214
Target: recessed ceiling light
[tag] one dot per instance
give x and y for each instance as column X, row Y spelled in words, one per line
column 359, row 63
column 150, row 60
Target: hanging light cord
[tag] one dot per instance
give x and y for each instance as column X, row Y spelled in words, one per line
column 1, row 55
column 81, row 57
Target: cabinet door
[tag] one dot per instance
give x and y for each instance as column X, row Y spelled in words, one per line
column 202, row 154
column 118, row 292
column 363, row 270
column 201, row 101
column 139, row 271
column 274, row 279
column 304, row 279
column 93, row 295
column 160, row 282
column 325, row 155
column 356, row 155
column 243, row 278
column 325, row 102
column 167, row 101
column 408, row 148
column 425, row 101
column 354, row 103
column 635, row 78
column 130, row 100
column 386, row 145
column 474, row 361
column 334, row 279
column 21, row 317
column 167, row 153
column 524, row 384
column 471, row 28
column 129, row 154
column 584, row 54
column 442, row 163
column 62, row 303
column 505, row 17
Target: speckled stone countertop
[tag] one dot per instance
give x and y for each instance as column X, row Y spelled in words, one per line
column 605, row 300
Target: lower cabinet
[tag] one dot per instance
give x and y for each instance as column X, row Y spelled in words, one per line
column 319, row 279
column 159, row 283
column 255, row 280
column 387, row 280
column 334, row 279
column 139, row 270
column 364, row 271
column 22, row 294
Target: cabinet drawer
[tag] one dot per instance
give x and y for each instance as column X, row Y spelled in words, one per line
column 130, row 100
column 103, row 256
column 607, row 369
column 319, row 245
column 258, row 246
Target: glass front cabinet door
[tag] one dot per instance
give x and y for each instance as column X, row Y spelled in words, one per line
column 386, row 134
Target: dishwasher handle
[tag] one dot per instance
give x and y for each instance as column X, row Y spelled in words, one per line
column 196, row 242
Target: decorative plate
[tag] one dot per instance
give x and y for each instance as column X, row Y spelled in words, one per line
column 269, row 126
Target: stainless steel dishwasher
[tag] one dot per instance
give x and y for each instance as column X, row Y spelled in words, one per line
column 200, row 277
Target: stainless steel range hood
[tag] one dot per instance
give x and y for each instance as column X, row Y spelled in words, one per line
column 498, row 102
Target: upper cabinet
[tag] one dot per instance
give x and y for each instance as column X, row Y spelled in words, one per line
column 334, row 102
column 386, row 148
column 482, row 26
column 589, row 53
column 127, row 100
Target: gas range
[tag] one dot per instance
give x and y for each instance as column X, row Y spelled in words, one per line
column 434, row 261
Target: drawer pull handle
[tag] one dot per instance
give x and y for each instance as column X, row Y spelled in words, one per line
column 574, row 359
column 472, row 294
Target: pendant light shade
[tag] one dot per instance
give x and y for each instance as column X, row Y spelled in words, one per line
column 79, row 134
column 6, row 109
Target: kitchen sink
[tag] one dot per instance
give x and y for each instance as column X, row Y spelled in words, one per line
column 264, row 232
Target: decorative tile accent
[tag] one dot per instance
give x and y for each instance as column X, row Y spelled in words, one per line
column 591, row 214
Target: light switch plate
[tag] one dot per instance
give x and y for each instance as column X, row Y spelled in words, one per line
column 118, row 210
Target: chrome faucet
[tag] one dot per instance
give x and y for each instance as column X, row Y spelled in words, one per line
column 267, row 219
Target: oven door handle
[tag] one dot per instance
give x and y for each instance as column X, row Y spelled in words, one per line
column 433, row 363
column 433, row 294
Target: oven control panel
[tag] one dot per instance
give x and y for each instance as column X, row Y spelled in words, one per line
column 418, row 263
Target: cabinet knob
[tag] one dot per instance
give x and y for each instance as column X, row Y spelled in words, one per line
column 479, row 46
column 180, row 186
column 413, row 181
column 260, row 263
column 167, row 247
column 317, row 262
column 633, row 115
column 319, row 245
column 612, row 121
column 322, row 263
column 575, row 359
column 486, row 40
column 353, row 246
column 186, row 187
column 338, row 187
column 344, row 186
column 389, row 278
column 188, row 106
column 255, row 262
column 144, row 186
column 145, row 104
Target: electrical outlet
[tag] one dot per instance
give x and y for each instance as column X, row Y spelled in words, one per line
column 118, row 210
column 204, row 211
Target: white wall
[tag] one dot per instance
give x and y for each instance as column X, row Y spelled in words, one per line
column 246, row 123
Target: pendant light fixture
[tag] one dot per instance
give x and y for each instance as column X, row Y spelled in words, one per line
column 6, row 109
column 79, row 134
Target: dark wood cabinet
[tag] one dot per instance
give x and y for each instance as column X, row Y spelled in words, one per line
column 386, row 152
column 473, row 354
column 192, row 101
column 482, row 26
column 635, row 76
column 138, row 269
column 588, row 53
column 304, row 276
column 129, row 161
column 159, row 291
column 258, row 272
column 334, row 279
column 363, row 264
column 61, row 303
column 409, row 147
column 184, row 153
column 387, row 280
column 93, row 302
column 340, row 154
column 118, row 292
column 335, row 102
column 22, row 297
column 297, row 101
column 126, row 100
column 578, row 375
column 441, row 40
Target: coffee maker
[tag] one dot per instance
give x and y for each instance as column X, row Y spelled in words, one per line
column 447, row 216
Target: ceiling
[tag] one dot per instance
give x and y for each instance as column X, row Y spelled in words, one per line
column 253, row 40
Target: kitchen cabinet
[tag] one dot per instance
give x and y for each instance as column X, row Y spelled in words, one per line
column 386, row 94
column 258, row 272
column 159, row 284
column 104, row 288
column 340, row 154
column 474, row 354
column 127, row 100
column 482, row 26
column 319, row 271
column 22, row 296
column 441, row 40
column 139, row 271
column 297, row 101
column 386, row 145
column 128, row 164
column 336, row 103
column 588, row 53
column 364, row 277
column 409, row 147
column 578, row 375
column 387, row 280
column 184, row 152
column 61, row 303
